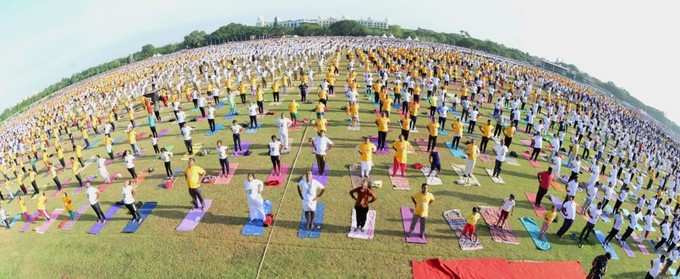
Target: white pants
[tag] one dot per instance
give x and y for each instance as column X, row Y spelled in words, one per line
column 104, row 173
column 469, row 166
column 255, row 208
column 366, row 167
column 284, row 140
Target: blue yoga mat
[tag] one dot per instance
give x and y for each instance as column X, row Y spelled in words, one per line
column 256, row 227
column 535, row 233
column 144, row 212
column 252, row 131
column 318, row 221
column 608, row 248
column 443, row 132
column 457, row 152
column 218, row 128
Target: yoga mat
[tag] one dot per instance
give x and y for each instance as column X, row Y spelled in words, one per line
column 374, row 140
column 511, row 161
column 94, row 143
column 142, row 135
column 422, row 144
column 245, row 146
column 497, row 180
column 484, row 157
column 218, row 128
column 222, row 180
column 535, row 233
column 540, row 211
column 626, row 248
column 443, row 132
column 502, row 235
column 193, row 218
column 27, row 223
column 97, row 227
column 318, row 221
column 68, row 224
column 457, row 222
column 278, row 178
column 469, row 181
column 163, row 132
column 640, row 244
column 406, row 218
column 322, row 178
column 432, row 180
column 607, row 248
column 253, row 130
column 46, row 225
column 256, row 227
column 14, row 220
column 525, row 142
column 144, row 212
column 457, row 152
column 400, row 183
column 369, row 227
column 117, row 140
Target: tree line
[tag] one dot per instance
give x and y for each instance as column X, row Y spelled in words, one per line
column 240, row 32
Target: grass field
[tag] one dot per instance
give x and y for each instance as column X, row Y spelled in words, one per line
column 216, row 248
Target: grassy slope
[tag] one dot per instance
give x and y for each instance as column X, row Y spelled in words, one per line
column 216, row 249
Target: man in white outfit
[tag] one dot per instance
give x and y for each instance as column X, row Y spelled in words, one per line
column 283, row 124
column 310, row 191
column 253, row 188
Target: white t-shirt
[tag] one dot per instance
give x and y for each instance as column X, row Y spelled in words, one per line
column 236, row 129
column 275, row 148
column 508, row 204
column 594, row 213
column 253, row 189
column 309, row 192
column 127, row 195
column 538, row 141
column 211, row 113
column 222, row 152
column 656, row 267
column 92, row 195
column 129, row 161
column 321, row 144
column 501, row 152
column 166, row 156
column 569, row 210
column 572, row 187
column 252, row 110
column 181, row 118
column 283, row 125
column 186, row 132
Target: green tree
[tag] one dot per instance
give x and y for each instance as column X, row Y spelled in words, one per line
column 195, row 39
column 309, row 29
column 347, row 28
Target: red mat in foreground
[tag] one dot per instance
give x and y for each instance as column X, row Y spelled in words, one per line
column 495, row 268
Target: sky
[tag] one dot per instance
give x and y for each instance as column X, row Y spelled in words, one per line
column 628, row 42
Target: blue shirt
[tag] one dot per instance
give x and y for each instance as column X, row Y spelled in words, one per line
column 152, row 120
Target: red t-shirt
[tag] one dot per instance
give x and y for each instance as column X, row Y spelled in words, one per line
column 544, row 179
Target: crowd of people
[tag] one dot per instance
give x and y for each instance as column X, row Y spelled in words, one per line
column 614, row 155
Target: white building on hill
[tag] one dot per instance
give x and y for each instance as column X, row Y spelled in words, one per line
column 322, row 21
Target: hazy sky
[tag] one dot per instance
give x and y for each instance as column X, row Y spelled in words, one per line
column 632, row 43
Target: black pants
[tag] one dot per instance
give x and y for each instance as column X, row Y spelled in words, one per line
column 111, row 155
column 243, row 98
column 260, row 107
column 484, row 144
column 195, row 101
column 471, row 126
column 539, row 195
column 202, row 109
column 361, row 213
column 211, row 123
column 133, row 173
column 442, row 122
column 626, row 234
column 455, row 142
column 321, row 163
column 189, row 146
column 153, row 131
column 508, row 141
column 405, row 133
column 587, row 229
column 224, row 166
column 497, row 168
column 35, row 187
column 253, row 122
column 534, row 154
column 382, row 138
column 431, row 142
column 196, row 197
column 412, row 125
column 565, row 227
column 80, row 180
column 661, row 243
column 617, row 205
column 57, row 182
column 98, row 211
column 133, row 211
column 237, row 141
column 404, row 107
column 276, row 97
column 155, row 149
column 612, row 233
column 309, row 217
column 276, row 163
column 168, row 169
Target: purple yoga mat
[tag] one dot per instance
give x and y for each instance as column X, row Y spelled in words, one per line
column 245, row 146
column 374, row 140
column 68, row 224
column 626, row 248
column 27, row 224
column 406, row 217
column 46, row 225
column 163, row 132
column 322, row 178
column 193, row 218
column 97, row 227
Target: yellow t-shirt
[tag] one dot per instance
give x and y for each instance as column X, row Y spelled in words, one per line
column 433, row 128
column 320, row 124
column 193, row 176
column 487, row 130
column 382, row 123
column 457, row 128
column 22, row 206
column 423, row 203
column 293, row 107
column 472, row 152
column 68, row 203
column 473, row 219
column 41, row 202
column 132, row 136
column 366, row 151
column 550, row 216
column 405, row 122
column 401, row 148
column 510, row 131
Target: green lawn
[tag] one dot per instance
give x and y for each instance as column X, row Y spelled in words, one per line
column 216, row 248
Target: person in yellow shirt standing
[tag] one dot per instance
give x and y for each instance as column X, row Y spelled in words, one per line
column 24, row 210
column 383, row 127
column 79, row 153
column 470, row 228
column 366, row 150
column 422, row 201
column 472, row 151
column 31, row 177
column 456, row 132
column 405, row 126
column 194, row 175
column 68, row 206
column 275, row 90
column 413, row 108
column 400, row 160
column 509, row 133
column 486, row 131
column 41, row 206
column 259, row 98
column 293, row 110
column 433, row 129
column 132, row 139
column 20, row 181
column 353, row 113
column 320, row 124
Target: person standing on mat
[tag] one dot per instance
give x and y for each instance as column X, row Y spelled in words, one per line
column 509, row 133
column 472, row 151
column 283, row 124
column 569, row 213
column 41, row 206
column 506, row 209
column 101, row 167
column 362, row 196
column 501, row 152
column 366, row 150
column 400, row 159
column 186, row 134
column 433, row 129
column 4, row 218
column 130, row 163
column 548, row 219
column 435, row 163
column 252, row 115
column 421, row 201
column 222, row 156
column 594, row 212
column 275, row 147
column 486, row 132
column 68, row 206
column 321, row 145
column 383, row 128
column 544, row 180
column 76, row 169
column 253, row 188
column 211, row 118
column 616, row 227
column 470, row 228
column 129, row 201
column 309, row 190
column 655, row 267
column 236, row 130
column 537, row 143
column 456, row 132
column 632, row 223
column 93, row 199
column 194, row 175
column 598, row 267
column 166, row 156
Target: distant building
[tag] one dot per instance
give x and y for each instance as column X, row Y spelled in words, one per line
column 322, row 21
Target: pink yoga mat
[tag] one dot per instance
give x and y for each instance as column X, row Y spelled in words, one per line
column 540, row 211
column 400, row 182
column 27, row 223
column 422, row 144
column 279, row 178
column 46, row 225
column 221, row 180
column 369, row 227
column 640, row 245
column 502, row 235
column 406, row 218
column 626, row 248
